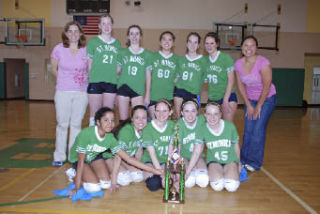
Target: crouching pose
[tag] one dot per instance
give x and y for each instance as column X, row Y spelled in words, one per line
column 191, row 146
column 87, row 159
column 128, row 134
column 156, row 138
column 223, row 152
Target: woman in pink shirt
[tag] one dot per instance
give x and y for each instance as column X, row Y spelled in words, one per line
column 69, row 65
column 254, row 78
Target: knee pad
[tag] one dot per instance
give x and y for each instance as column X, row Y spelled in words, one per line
column 154, row 183
column 105, row 184
column 231, row 185
column 202, row 178
column 71, row 173
column 124, row 178
column 191, row 180
column 217, row 185
column 136, row 176
column 91, row 187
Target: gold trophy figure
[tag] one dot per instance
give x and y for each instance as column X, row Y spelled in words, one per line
column 174, row 166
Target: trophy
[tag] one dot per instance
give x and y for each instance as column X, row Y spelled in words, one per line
column 175, row 165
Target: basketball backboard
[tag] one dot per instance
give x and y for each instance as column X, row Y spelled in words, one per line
column 27, row 32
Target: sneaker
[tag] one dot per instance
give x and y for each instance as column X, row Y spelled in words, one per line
column 249, row 168
column 57, row 163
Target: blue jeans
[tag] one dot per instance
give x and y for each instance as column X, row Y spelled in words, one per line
column 252, row 150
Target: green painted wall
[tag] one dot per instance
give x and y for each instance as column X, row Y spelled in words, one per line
column 289, row 84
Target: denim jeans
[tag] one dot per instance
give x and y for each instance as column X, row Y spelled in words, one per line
column 70, row 110
column 252, row 150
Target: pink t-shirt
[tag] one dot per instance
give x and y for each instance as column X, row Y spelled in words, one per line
column 72, row 69
column 252, row 80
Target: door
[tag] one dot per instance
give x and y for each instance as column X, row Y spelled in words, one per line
column 315, row 94
column 14, row 78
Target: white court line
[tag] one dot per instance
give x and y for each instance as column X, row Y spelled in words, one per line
column 289, row 192
column 41, row 183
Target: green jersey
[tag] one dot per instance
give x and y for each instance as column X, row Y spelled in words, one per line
column 191, row 73
column 220, row 146
column 104, row 56
column 130, row 139
column 189, row 135
column 163, row 75
column 90, row 143
column 217, row 75
column 133, row 69
column 160, row 139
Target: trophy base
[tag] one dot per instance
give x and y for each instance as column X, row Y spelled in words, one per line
column 173, row 198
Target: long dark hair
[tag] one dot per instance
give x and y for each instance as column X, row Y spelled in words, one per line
column 117, row 129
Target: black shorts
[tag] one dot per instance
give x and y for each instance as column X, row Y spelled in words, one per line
column 101, row 87
column 184, row 94
column 99, row 156
column 222, row 164
column 232, row 98
column 126, row 91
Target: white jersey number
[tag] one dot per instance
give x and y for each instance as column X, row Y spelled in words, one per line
column 163, row 150
column 163, row 73
column 223, row 155
column 107, row 59
column 132, row 70
column 187, row 76
column 212, row 78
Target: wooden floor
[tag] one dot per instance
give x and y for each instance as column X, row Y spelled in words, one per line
column 289, row 181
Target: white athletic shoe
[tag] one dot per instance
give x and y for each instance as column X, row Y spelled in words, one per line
column 249, row 168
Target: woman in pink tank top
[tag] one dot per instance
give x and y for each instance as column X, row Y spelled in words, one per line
column 254, row 79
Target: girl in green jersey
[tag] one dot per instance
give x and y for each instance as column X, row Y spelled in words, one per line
column 102, row 52
column 86, row 155
column 190, row 145
column 163, row 71
column 128, row 134
column 156, row 138
column 135, row 76
column 223, row 152
column 220, row 77
column 191, row 68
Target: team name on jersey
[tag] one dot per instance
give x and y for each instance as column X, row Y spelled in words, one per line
column 95, row 148
column 215, row 68
column 107, row 47
column 134, row 144
column 219, row 143
column 162, row 139
column 192, row 65
column 165, row 62
column 189, row 138
column 137, row 59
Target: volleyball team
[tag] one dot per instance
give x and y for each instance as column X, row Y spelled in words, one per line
column 164, row 87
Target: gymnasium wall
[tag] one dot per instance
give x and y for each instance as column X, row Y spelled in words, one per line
column 179, row 16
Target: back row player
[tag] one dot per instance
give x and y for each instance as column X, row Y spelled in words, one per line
column 142, row 77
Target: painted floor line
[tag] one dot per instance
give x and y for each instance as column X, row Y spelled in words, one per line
column 289, row 192
column 16, row 180
column 50, row 211
column 41, row 183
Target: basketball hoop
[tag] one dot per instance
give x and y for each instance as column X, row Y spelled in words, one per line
column 232, row 42
column 21, row 38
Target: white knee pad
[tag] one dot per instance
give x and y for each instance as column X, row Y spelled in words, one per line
column 191, row 180
column 105, row 184
column 136, row 176
column 217, row 185
column 91, row 187
column 202, row 178
column 124, row 178
column 71, row 173
column 231, row 185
